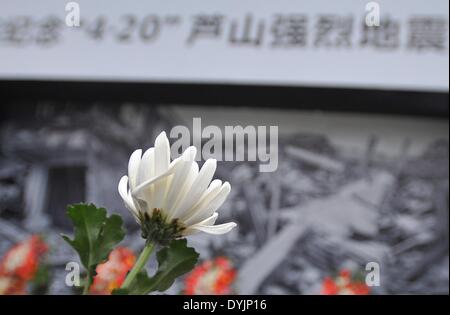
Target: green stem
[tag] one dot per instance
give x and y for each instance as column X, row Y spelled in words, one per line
column 140, row 263
column 87, row 284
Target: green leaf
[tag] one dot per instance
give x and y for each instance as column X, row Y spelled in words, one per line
column 141, row 285
column 173, row 261
column 95, row 234
column 120, row 291
column 40, row 282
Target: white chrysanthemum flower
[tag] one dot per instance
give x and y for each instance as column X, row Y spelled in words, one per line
column 173, row 199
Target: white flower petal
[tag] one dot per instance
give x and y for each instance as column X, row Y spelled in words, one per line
column 209, row 208
column 152, row 181
column 124, row 193
column 198, row 186
column 136, row 206
column 147, row 166
column 179, row 179
column 209, row 194
column 186, row 187
column 162, row 154
column 200, row 209
column 146, row 172
column 133, row 167
column 123, row 189
column 209, row 221
column 214, row 229
column 162, row 161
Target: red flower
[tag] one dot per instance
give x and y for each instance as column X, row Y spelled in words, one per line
column 22, row 260
column 344, row 285
column 12, row 285
column 112, row 273
column 329, row 287
column 211, row 277
column 19, row 265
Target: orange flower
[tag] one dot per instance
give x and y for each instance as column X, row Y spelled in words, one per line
column 22, row 260
column 344, row 285
column 211, row 277
column 329, row 287
column 112, row 273
column 12, row 286
column 19, row 265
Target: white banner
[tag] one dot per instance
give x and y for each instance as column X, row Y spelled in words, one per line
column 401, row 44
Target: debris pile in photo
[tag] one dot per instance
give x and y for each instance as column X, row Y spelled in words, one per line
column 324, row 209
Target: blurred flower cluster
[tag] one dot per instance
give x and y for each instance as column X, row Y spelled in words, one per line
column 112, row 273
column 21, row 265
column 344, row 284
column 212, row 277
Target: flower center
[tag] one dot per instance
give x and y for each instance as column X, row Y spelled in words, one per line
column 155, row 228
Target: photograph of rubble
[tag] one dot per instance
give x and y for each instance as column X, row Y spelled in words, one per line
column 223, row 156
column 349, row 190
